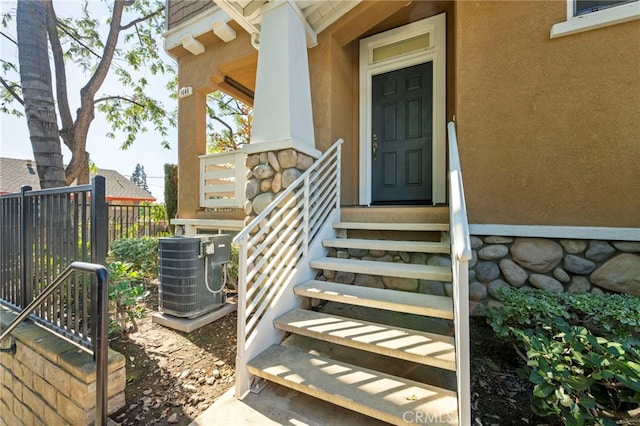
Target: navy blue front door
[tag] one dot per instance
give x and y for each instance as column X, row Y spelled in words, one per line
column 402, row 136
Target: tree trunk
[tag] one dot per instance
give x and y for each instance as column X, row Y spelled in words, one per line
column 35, row 76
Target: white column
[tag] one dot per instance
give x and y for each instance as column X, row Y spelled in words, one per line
column 282, row 114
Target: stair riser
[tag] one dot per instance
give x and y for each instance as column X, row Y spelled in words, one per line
column 377, row 234
column 416, row 247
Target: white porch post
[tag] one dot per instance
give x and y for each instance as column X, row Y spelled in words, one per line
column 282, row 109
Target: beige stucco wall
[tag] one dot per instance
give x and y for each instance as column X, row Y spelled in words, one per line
column 334, row 72
column 202, row 73
column 549, row 130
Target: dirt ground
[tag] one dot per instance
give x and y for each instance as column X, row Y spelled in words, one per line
column 173, row 376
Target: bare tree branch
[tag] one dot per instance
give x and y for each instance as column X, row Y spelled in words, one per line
column 9, row 38
column 66, row 30
column 144, row 18
column 11, row 91
column 221, row 121
column 122, row 98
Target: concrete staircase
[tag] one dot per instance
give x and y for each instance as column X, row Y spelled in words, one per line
column 310, row 360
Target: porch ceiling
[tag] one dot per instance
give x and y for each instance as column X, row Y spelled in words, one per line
column 318, row 14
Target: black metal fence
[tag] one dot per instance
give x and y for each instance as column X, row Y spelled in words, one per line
column 41, row 233
column 136, row 221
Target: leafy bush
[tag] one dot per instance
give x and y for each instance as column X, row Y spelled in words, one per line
column 140, row 253
column 582, row 352
column 125, row 292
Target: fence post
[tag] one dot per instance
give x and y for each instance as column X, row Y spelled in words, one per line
column 26, row 231
column 98, row 243
column 99, row 238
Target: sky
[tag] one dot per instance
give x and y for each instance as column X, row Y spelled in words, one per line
column 105, row 152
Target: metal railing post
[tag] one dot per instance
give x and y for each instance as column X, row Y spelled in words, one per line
column 101, row 348
column 305, row 218
column 26, row 232
column 338, row 175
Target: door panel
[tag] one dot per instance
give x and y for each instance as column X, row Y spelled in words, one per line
column 402, row 135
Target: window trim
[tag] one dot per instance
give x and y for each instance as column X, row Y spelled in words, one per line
column 598, row 19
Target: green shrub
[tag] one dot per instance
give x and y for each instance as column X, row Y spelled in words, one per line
column 140, row 253
column 582, row 352
column 171, row 191
column 126, row 290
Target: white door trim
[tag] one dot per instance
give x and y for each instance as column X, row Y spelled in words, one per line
column 436, row 52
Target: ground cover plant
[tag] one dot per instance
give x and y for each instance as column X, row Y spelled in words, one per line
column 582, row 352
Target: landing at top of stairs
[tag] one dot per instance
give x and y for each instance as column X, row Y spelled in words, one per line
column 380, row 226
column 415, row 214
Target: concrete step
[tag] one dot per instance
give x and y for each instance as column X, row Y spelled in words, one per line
column 394, row 214
column 389, row 245
column 385, row 269
column 396, row 367
column 402, row 343
column 379, row 298
column 393, row 226
column 382, row 396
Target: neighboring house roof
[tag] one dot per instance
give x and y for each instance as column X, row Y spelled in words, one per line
column 16, row 173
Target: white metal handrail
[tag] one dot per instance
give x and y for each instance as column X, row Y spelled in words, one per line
column 274, row 251
column 222, row 180
column 460, row 256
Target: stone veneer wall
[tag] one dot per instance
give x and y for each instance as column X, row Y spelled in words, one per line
column 49, row 381
column 562, row 265
column 525, row 263
column 268, row 174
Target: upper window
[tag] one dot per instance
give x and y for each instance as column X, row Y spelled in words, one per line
column 589, row 6
column 585, row 15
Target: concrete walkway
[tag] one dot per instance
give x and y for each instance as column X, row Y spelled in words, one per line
column 278, row 405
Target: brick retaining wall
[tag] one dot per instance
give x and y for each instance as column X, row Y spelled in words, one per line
column 50, row 381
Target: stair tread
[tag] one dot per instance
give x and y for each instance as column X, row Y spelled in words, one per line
column 388, row 269
column 411, row 345
column 379, row 298
column 369, row 392
column 395, row 226
column 408, row 246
